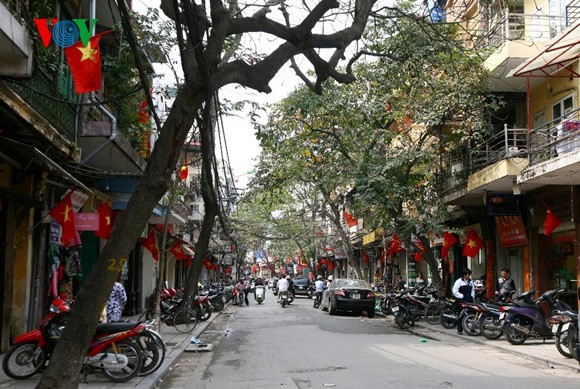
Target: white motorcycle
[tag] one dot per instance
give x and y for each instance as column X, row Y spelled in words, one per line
column 260, row 293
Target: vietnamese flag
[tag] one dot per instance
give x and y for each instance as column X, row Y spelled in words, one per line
column 105, row 226
column 63, row 214
column 551, row 223
column 85, row 64
column 448, row 241
column 177, row 251
column 472, row 244
column 396, row 246
column 150, row 243
column 183, row 171
column 351, row 221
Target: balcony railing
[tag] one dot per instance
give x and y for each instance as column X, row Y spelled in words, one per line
column 19, row 8
column 39, row 92
column 511, row 26
column 511, row 142
column 508, row 143
column 556, row 138
column 572, row 12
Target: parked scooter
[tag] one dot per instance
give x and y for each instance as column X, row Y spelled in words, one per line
column 111, row 350
column 260, row 293
column 529, row 320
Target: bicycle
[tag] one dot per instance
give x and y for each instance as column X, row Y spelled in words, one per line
column 184, row 320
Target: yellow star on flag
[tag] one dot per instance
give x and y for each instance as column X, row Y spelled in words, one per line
column 88, row 52
column 471, row 243
column 108, row 219
column 67, row 209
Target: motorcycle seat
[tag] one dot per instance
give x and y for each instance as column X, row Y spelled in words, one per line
column 111, row 328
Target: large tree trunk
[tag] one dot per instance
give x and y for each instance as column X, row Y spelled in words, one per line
column 63, row 371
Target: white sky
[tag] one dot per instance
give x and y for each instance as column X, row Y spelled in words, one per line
column 242, row 145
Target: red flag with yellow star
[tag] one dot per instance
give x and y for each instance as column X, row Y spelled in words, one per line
column 177, row 251
column 105, row 226
column 85, row 64
column 472, row 244
column 63, row 214
column 448, row 241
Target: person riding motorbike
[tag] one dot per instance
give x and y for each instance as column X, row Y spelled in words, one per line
column 282, row 286
column 258, row 282
column 318, row 289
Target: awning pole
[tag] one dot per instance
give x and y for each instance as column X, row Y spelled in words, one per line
column 528, row 104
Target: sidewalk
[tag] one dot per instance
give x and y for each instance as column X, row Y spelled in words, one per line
column 539, row 351
column 176, row 342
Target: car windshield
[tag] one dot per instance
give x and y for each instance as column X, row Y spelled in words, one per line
column 349, row 283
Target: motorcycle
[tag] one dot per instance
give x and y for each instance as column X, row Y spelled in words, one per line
column 317, row 300
column 113, row 350
column 561, row 322
column 260, row 293
column 490, row 325
column 525, row 321
column 284, row 299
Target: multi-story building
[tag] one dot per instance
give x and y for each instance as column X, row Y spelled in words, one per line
column 505, row 185
column 53, row 140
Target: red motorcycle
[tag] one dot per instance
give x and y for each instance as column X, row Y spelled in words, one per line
column 112, row 349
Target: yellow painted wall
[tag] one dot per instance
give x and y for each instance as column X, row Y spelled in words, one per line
column 552, row 90
column 22, row 272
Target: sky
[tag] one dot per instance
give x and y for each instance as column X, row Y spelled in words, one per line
column 242, row 145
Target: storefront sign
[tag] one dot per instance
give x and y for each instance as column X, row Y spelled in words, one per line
column 369, row 238
column 87, row 221
column 511, row 231
column 499, row 204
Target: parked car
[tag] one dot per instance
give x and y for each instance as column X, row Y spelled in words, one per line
column 347, row 294
column 302, row 286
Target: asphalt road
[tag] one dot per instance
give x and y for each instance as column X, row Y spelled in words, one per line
column 267, row 346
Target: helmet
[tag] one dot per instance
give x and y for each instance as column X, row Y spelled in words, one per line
column 330, row 278
column 319, row 277
column 287, row 277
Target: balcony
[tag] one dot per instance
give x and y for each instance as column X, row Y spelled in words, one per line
column 15, row 43
column 489, row 166
column 554, row 152
column 511, row 39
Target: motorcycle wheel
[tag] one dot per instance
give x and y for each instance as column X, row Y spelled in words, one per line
column 206, row 312
column 316, row 303
column 290, row 298
column 448, row 322
column 283, row 303
column 573, row 340
column 562, row 341
column 433, row 313
column 185, row 320
column 387, row 305
column 147, row 315
column 153, row 352
column 133, row 354
column 514, row 336
column 471, row 325
column 217, row 305
column 489, row 333
column 23, row 360
column 399, row 320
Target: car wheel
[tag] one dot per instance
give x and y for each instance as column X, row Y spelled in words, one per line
column 370, row 314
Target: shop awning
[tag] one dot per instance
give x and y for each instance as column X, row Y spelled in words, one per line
column 560, row 52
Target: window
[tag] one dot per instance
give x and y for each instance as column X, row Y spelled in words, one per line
column 562, row 108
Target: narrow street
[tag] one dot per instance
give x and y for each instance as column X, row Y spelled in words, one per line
column 266, row 346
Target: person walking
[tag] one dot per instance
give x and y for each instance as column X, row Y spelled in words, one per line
column 463, row 290
column 116, row 302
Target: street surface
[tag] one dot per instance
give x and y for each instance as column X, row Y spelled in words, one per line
column 267, row 346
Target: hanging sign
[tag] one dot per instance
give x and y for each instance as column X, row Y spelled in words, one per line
column 511, row 231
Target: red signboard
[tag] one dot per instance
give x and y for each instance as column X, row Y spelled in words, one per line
column 87, row 221
column 511, row 231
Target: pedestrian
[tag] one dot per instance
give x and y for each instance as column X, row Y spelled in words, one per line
column 463, row 290
column 116, row 302
column 420, row 280
column 505, row 285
